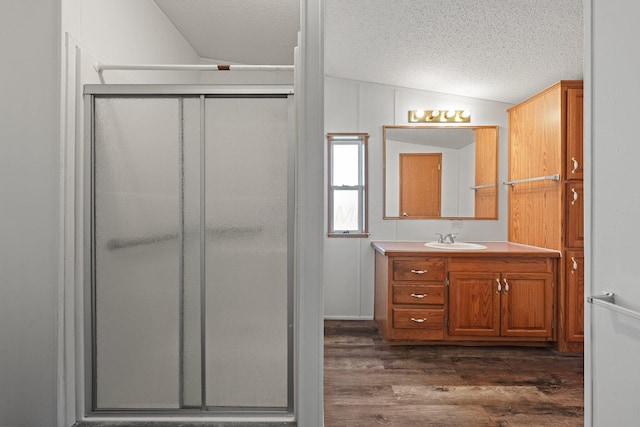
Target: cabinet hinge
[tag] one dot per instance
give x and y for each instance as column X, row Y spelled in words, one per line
column 446, row 281
column 446, row 322
column 553, row 284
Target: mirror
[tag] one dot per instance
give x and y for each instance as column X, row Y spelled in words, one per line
column 440, row 172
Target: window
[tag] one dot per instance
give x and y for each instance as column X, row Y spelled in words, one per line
column 347, row 174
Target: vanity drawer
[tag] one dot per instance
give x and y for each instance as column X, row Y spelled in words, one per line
column 419, row 318
column 418, row 294
column 418, row 269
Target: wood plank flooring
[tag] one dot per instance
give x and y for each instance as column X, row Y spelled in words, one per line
column 369, row 383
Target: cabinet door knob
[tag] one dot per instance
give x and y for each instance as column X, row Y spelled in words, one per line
column 405, row 214
column 575, row 165
column 418, row 271
column 506, row 286
column 419, row 296
column 574, row 265
column 420, row 320
column 499, row 286
column 575, row 196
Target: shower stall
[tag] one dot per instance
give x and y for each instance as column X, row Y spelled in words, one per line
column 189, row 216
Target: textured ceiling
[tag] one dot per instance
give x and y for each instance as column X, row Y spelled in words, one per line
column 502, row 50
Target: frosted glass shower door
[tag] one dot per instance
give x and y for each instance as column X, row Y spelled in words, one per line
column 138, row 250
column 189, row 212
column 246, row 152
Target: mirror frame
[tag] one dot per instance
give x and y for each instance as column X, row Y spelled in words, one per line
column 384, row 170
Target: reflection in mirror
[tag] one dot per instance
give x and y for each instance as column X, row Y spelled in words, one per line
column 440, row 172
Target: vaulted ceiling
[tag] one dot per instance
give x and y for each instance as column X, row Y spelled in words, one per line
column 502, row 50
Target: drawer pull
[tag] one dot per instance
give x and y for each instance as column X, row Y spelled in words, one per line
column 420, row 296
column 421, row 320
column 575, row 165
column 574, row 265
column 418, row 271
column 506, row 286
column 499, row 286
column 575, row 196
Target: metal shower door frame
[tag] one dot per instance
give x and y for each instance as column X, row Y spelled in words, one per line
column 91, row 92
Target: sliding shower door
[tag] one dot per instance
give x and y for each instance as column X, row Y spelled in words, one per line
column 190, row 216
column 246, row 252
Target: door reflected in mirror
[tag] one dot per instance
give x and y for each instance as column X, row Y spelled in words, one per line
column 440, row 172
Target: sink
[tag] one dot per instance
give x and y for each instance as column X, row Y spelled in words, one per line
column 457, row 246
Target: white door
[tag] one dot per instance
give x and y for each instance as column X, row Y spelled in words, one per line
column 612, row 147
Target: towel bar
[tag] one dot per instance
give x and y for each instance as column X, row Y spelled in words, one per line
column 555, row 177
column 478, row 187
column 608, row 300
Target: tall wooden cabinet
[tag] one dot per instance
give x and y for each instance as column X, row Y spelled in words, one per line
column 546, row 195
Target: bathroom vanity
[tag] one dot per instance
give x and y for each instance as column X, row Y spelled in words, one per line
column 503, row 294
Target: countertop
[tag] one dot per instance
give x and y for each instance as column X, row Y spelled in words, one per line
column 397, row 248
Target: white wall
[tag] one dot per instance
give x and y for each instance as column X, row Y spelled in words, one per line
column 353, row 106
column 29, row 134
column 130, row 32
column 612, row 208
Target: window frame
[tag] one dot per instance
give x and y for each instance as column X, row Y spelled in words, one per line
column 360, row 139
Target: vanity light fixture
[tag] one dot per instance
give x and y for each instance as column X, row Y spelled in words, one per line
column 448, row 116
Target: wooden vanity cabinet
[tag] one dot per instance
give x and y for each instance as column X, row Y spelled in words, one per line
column 507, row 295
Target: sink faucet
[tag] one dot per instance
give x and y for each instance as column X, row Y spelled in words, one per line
column 449, row 238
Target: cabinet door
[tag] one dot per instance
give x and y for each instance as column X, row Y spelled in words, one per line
column 574, row 285
column 574, row 134
column 474, row 304
column 575, row 215
column 527, row 304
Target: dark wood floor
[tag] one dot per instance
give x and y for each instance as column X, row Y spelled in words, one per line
column 368, row 383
